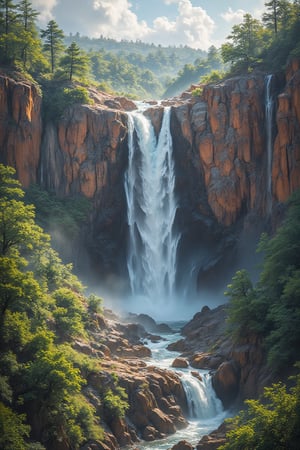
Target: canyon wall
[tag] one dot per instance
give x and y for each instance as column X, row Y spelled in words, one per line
column 220, row 150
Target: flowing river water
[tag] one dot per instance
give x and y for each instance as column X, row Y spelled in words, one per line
column 205, row 410
column 152, row 262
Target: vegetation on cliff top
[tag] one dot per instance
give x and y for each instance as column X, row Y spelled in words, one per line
column 142, row 70
column 42, row 310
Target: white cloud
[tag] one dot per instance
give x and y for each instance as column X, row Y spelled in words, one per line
column 115, row 19
column 192, row 27
column 45, row 8
column 233, row 17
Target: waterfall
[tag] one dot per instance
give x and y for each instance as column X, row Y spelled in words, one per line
column 151, row 209
column 201, row 397
column 269, row 108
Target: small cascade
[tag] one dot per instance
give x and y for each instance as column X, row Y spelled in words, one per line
column 151, row 209
column 269, row 112
column 201, row 397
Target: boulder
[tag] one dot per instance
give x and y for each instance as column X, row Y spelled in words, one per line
column 182, row 445
column 161, row 421
column 180, row 363
column 226, row 382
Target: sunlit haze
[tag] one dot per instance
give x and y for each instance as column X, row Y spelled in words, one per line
column 195, row 23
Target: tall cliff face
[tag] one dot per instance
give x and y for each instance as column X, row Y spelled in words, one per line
column 286, row 156
column 223, row 172
column 220, row 150
column 20, row 128
column 85, row 153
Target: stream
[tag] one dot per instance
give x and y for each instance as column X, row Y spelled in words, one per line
column 206, row 412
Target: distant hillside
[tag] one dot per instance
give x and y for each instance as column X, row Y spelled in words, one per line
column 138, row 68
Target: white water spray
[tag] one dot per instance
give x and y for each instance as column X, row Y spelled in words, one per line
column 151, row 209
column 269, row 107
column 201, row 397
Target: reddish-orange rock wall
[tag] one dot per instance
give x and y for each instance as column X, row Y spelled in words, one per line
column 82, row 152
column 20, row 128
column 286, row 156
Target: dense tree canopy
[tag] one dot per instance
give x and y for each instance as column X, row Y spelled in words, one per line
column 271, row 307
column 42, row 309
column 272, row 423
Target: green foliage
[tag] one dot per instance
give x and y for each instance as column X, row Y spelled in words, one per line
column 41, row 309
column 57, row 97
column 247, row 41
column 75, row 62
column 191, row 73
column 245, row 307
column 268, row 44
column 53, row 43
column 53, row 212
column 115, row 403
column 13, row 430
column 69, row 313
column 271, row 308
column 95, row 303
column 272, row 423
column 213, row 77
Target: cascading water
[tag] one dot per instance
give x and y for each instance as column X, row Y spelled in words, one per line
column 201, row 398
column 151, row 210
column 205, row 410
column 269, row 108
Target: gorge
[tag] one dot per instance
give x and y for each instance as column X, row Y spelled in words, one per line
column 227, row 185
column 229, row 164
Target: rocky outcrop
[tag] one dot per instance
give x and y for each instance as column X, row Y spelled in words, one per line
column 239, row 370
column 222, row 173
column 286, row 157
column 222, row 135
column 157, row 401
column 85, row 152
column 20, row 127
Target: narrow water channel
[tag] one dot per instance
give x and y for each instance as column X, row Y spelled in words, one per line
column 206, row 412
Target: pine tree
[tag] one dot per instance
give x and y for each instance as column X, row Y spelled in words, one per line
column 53, row 44
column 30, row 46
column 8, row 38
column 75, row 61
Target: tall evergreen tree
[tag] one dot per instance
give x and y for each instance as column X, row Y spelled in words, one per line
column 30, row 45
column 53, row 42
column 246, row 43
column 8, row 17
column 75, row 61
column 278, row 15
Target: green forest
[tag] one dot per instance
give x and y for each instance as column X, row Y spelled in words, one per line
column 43, row 305
column 141, row 70
column 42, row 310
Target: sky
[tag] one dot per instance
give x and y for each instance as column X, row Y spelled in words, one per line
column 196, row 23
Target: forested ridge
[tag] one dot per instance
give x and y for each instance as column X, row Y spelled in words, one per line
column 138, row 69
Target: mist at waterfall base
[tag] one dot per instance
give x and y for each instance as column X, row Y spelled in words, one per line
column 159, row 284
column 151, row 212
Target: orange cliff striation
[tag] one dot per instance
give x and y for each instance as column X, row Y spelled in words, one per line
column 223, row 133
column 20, row 128
column 83, row 154
column 286, row 156
column 219, row 144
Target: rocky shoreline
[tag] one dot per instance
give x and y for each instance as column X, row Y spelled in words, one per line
column 157, row 400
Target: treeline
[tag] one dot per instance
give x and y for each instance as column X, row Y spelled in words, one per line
column 270, row 310
column 266, row 43
column 136, row 69
column 43, row 309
